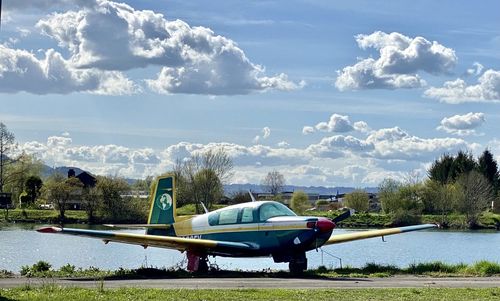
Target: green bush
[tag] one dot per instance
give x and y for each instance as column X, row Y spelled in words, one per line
column 68, row 269
column 322, row 203
column 41, row 266
column 434, row 267
column 484, row 268
column 402, row 217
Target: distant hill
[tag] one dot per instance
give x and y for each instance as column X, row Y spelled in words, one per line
column 47, row 170
column 234, row 188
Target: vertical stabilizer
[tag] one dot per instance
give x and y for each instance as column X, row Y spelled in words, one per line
column 163, row 202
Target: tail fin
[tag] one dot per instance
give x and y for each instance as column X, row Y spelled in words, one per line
column 163, row 202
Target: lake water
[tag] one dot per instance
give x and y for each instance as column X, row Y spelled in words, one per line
column 21, row 245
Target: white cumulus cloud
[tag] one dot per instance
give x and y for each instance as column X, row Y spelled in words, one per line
column 462, row 124
column 193, row 60
column 21, row 70
column 400, row 59
column 337, row 124
column 458, row 91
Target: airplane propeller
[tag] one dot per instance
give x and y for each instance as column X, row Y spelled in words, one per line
column 343, row 216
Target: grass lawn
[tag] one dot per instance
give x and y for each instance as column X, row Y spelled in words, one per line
column 56, row 293
column 46, row 216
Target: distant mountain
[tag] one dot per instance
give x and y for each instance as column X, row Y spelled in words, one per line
column 47, row 170
column 234, row 188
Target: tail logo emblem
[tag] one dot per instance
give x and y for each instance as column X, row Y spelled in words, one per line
column 164, row 202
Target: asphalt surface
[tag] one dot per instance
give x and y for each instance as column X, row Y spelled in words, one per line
column 241, row 283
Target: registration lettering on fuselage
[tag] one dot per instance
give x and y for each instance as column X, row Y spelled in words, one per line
column 191, row 236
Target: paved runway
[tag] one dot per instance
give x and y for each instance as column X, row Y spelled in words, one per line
column 241, row 283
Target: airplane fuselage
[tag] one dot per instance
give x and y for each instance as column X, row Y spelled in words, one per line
column 270, row 226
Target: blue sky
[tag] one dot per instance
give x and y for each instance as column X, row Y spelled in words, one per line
column 327, row 93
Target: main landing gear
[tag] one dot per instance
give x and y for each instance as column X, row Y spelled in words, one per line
column 197, row 263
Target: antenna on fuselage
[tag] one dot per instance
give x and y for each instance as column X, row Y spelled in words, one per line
column 251, row 196
column 204, row 207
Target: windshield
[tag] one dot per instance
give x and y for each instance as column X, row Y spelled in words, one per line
column 269, row 210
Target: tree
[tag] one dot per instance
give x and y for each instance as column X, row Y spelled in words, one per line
column 440, row 169
column 200, row 178
column 439, row 198
column 357, row 200
column 90, row 199
column 463, row 163
column 207, row 187
column 476, row 195
column 18, row 171
column 388, row 194
column 143, row 184
column 33, row 186
column 110, row 191
column 273, row 182
column 7, row 145
column 59, row 190
column 241, row 197
column 299, row 202
column 489, row 168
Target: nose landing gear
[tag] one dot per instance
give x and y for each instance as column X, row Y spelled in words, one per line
column 298, row 264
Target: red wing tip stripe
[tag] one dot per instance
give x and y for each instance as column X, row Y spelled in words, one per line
column 49, row 230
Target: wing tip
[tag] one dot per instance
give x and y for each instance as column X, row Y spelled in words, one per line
column 49, row 230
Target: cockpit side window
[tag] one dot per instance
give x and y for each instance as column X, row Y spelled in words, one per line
column 247, row 215
column 229, row 216
column 213, row 218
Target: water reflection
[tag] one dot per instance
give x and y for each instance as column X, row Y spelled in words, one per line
column 21, row 245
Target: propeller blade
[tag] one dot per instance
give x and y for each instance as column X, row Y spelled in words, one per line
column 343, row 216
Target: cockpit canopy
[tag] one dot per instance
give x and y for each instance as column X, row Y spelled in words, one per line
column 248, row 214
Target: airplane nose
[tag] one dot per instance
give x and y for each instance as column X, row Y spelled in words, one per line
column 325, row 225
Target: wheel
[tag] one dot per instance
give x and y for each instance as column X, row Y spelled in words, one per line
column 298, row 264
column 203, row 265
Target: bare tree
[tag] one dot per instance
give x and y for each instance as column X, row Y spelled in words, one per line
column 413, row 177
column 273, row 182
column 200, row 178
column 477, row 194
column 7, row 145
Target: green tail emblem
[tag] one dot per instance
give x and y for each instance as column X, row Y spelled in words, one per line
column 164, row 202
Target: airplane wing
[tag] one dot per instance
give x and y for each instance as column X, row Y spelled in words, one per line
column 340, row 238
column 170, row 242
column 140, row 226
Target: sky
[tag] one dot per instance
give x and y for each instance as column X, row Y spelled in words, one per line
column 329, row 93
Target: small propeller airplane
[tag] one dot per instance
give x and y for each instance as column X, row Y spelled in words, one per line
column 253, row 229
